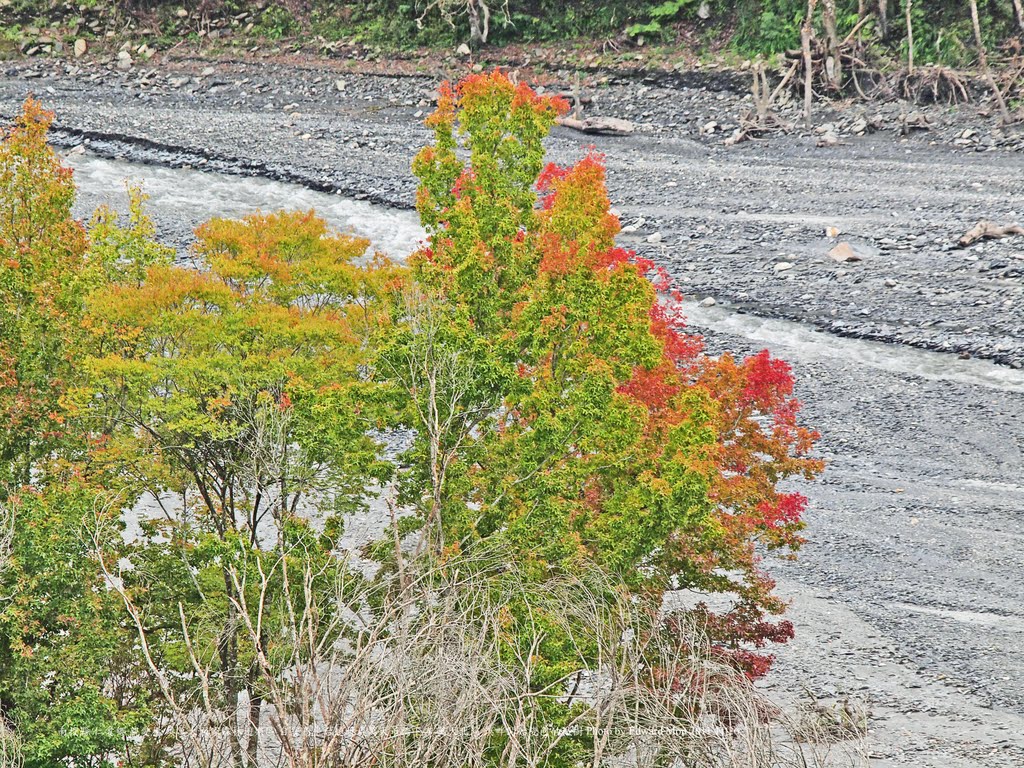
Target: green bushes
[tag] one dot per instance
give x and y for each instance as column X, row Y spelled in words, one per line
column 942, row 28
column 769, row 26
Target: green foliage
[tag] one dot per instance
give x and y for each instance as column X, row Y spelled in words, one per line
column 61, row 638
column 658, row 16
column 769, row 26
column 945, row 35
column 276, row 21
column 751, row 27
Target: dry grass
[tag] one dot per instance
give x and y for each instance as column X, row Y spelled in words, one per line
column 10, row 747
column 430, row 675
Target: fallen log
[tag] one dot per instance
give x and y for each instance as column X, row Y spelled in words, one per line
column 605, row 126
column 987, row 230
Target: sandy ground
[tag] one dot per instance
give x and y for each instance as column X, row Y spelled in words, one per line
column 909, row 596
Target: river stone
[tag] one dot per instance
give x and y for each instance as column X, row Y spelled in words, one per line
column 844, row 252
column 80, row 48
column 782, row 266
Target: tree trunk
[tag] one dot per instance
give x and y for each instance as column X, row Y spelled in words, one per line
column 908, row 7
column 883, row 19
column 983, row 59
column 479, row 22
column 227, row 649
column 805, row 40
column 1018, row 6
column 255, row 710
column 835, row 73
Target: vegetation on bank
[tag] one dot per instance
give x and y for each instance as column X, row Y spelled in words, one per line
column 941, row 30
column 184, row 444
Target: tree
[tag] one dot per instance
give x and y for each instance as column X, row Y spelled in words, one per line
column 232, row 397
column 66, row 683
column 588, row 425
column 48, row 267
column 62, row 665
column 42, row 274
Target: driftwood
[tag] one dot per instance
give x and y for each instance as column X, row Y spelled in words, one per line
column 605, row 126
column 931, row 85
column 832, row 65
column 987, row 230
column 762, row 119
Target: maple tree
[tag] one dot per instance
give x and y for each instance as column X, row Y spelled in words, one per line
column 42, row 259
column 231, row 398
column 48, row 266
column 587, row 424
column 61, row 637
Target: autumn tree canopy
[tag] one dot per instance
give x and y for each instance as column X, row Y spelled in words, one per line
column 568, row 435
column 590, row 425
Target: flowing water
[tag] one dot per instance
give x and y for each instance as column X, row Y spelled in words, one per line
column 193, row 196
column 793, row 340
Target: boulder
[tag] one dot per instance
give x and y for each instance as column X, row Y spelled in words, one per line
column 845, row 252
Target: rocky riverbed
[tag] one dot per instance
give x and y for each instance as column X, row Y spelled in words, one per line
column 909, row 596
column 751, row 224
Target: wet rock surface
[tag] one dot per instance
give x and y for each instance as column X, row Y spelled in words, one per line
column 909, row 596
